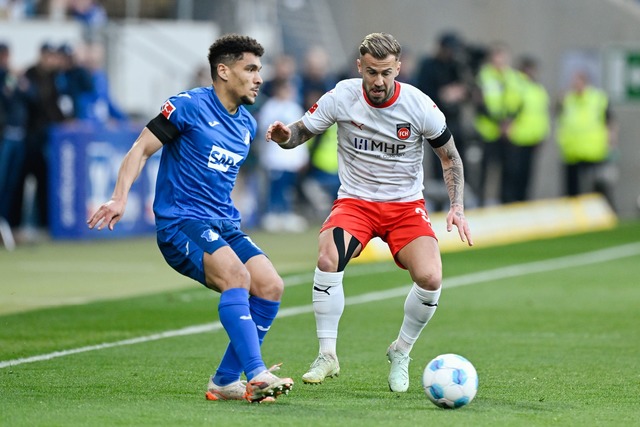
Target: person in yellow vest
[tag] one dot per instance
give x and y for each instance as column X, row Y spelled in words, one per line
column 528, row 130
column 497, row 103
column 586, row 134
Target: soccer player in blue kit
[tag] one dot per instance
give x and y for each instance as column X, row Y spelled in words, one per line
column 205, row 134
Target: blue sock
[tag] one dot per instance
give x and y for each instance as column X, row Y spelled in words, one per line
column 263, row 313
column 235, row 316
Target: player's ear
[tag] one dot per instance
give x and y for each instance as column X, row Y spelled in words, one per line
column 223, row 72
column 359, row 65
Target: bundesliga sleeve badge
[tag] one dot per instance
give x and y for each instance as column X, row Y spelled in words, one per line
column 167, row 109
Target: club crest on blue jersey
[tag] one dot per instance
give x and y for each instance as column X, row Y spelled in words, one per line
column 221, row 159
column 210, row 236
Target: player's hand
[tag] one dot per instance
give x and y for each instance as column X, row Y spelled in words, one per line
column 456, row 217
column 278, row 132
column 107, row 214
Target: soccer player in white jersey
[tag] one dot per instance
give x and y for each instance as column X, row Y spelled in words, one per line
column 205, row 134
column 382, row 129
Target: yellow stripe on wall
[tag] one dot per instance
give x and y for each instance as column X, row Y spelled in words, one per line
column 515, row 222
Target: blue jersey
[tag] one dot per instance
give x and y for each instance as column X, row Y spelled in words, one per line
column 198, row 169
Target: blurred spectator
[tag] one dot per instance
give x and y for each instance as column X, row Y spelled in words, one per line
column 442, row 77
column 43, row 110
column 13, row 121
column 285, row 67
column 407, row 67
column 528, row 130
column 497, row 103
column 74, row 84
column 98, row 105
column 316, row 79
column 202, row 77
column 350, row 70
column 586, row 135
column 14, row 10
column 92, row 15
column 283, row 167
column 5, row 54
column 321, row 181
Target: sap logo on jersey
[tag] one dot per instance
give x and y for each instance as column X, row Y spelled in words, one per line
column 221, row 159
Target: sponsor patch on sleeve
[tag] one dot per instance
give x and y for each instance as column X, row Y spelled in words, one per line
column 313, row 108
column 167, row 109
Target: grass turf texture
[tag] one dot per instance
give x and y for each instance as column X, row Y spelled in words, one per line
column 550, row 348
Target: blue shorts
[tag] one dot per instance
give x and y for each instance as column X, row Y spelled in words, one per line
column 184, row 243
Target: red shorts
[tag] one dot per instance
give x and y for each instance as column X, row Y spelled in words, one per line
column 397, row 223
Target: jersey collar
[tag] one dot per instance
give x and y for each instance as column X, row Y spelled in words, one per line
column 388, row 102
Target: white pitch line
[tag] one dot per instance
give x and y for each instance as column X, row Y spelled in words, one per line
column 587, row 258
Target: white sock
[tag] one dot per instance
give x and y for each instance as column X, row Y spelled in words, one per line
column 328, row 305
column 419, row 308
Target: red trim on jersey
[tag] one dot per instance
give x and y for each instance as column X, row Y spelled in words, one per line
column 390, row 101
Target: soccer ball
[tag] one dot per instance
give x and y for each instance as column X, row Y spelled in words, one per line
column 450, row 381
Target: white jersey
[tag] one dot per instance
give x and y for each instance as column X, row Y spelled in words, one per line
column 380, row 148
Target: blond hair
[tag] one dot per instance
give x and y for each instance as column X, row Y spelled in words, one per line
column 380, row 45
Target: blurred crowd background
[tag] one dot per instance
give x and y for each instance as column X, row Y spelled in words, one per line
column 542, row 99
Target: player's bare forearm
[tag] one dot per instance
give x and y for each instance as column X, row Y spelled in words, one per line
column 453, row 172
column 143, row 148
column 289, row 136
column 129, row 171
column 110, row 212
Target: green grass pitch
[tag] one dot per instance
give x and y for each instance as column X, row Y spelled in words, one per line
column 552, row 327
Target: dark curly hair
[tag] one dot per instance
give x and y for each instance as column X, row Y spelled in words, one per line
column 231, row 48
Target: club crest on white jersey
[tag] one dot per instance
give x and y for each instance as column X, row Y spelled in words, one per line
column 403, row 130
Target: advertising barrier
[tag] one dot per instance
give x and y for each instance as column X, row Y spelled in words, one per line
column 515, row 222
column 84, row 159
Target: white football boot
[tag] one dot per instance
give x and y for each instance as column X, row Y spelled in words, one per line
column 399, row 373
column 325, row 366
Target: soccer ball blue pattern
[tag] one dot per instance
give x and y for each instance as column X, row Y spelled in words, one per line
column 450, row 381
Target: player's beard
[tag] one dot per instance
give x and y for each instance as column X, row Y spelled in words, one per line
column 247, row 101
column 378, row 100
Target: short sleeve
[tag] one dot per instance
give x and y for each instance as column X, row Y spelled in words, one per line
column 435, row 123
column 181, row 110
column 322, row 115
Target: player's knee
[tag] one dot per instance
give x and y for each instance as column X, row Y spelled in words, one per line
column 233, row 277
column 429, row 280
column 334, row 254
column 271, row 289
column 327, row 262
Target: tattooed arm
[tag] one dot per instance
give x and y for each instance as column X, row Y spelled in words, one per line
column 289, row 136
column 453, row 172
